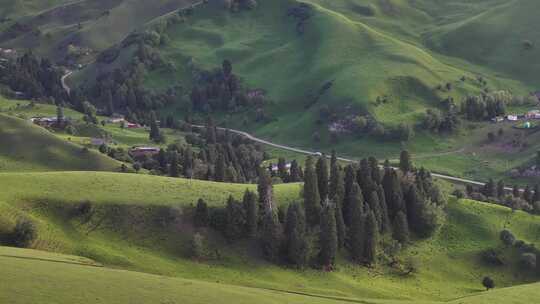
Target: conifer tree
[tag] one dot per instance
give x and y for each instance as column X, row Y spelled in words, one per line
column 252, row 213
column 385, row 218
column 155, row 134
column 371, row 239
column 393, row 192
column 235, row 220
column 322, row 177
column 364, row 178
column 375, row 170
column 270, row 237
column 201, row 216
column 405, row 163
column 350, row 182
column 295, row 233
column 282, row 170
column 414, row 208
column 375, row 207
column 340, row 225
column 295, row 172
column 211, row 137
column 173, row 167
column 536, row 196
column 220, row 168
column 266, row 192
column 527, row 194
column 356, row 233
column 500, row 189
column 328, row 237
column 401, row 228
column 188, row 163
column 312, row 199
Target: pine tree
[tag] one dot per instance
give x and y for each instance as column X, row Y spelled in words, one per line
column 109, row 103
column 201, row 216
column 536, row 196
column 401, row 229
column 350, row 182
column 375, row 207
column 211, row 137
column 527, row 194
column 60, row 115
column 393, row 192
column 173, row 167
column 188, row 163
column 220, row 168
column 328, row 237
column 266, row 192
column 155, row 134
column 500, row 189
column 372, row 239
column 414, row 208
column 337, row 185
column 295, row 172
column 295, row 233
column 322, row 177
column 251, row 210
column 312, row 199
column 375, row 170
column 162, row 160
column 364, row 178
column 340, row 225
column 405, row 163
column 236, row 220
column 270, row 237
column 385, row 218
column 282, row 170
column 356, row 226
column 515, row 191
column 490, row 189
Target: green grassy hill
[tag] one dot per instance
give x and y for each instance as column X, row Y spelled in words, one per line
column 26, row 147
column 91, row 26
column 69, row 279
column 143, row 223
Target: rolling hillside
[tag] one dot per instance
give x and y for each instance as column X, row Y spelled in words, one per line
column 26, row 147
column 85, row 25
column 69, row 279
column 142, row 223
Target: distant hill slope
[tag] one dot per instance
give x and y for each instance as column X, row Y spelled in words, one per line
column 380, row 55
column 89, row 25
column 143, row 223
column 26, row 147
column 501, row 37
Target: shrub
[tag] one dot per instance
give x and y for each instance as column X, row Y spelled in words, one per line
column 488, row 283
column 459, row 194
column 197, row 248
column 528, row 260
column 24, row 234
column 491, row 257
column 507, row 237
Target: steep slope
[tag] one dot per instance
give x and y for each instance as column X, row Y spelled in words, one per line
column 500, row 37
column 26, row 147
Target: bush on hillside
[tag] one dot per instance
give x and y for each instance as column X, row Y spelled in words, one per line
column 507, row 237
column 197, row 247
column 491, row 257
column 528, row 260
column 24, row 233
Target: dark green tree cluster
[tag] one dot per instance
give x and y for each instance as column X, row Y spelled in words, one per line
column 35, row 78
column 222, row 157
